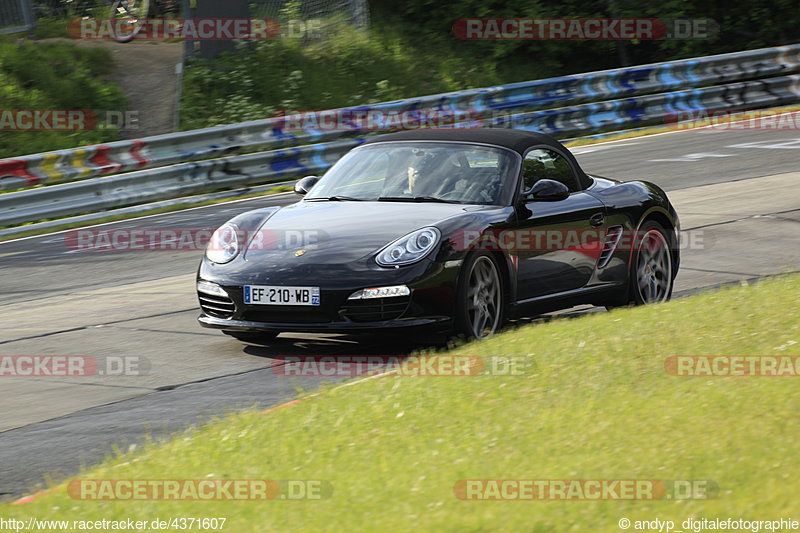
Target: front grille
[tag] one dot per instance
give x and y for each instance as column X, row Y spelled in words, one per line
column 375, row 309
column 609, row 245
column 216, row 305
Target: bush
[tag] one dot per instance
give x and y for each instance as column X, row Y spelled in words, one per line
column 353, row 68
column 55, row 76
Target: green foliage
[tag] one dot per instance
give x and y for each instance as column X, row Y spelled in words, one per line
column 410, row 50
column 52, row 17
column 48, row 27
column 353, row 68
column 743, row 24
column 55, row 76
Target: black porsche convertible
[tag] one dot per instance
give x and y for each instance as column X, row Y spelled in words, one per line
column 444, row 229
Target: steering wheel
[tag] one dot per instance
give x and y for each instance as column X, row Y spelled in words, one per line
column 453, row 195
column 476, row 190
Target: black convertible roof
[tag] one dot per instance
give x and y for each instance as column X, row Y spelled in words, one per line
column 517, row 140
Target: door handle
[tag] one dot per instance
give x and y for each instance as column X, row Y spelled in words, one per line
column 597, row 220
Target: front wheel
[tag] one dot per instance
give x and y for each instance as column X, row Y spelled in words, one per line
column 479, row 298
column 652, row 276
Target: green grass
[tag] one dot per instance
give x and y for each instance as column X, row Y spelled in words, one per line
column 594, row 403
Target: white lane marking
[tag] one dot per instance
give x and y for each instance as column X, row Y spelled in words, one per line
column 693, row 157
column 580, row 150
column 785, row 144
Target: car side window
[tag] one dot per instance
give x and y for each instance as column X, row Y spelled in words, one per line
column 547, row 164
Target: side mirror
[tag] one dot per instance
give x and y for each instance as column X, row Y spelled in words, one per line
column 546, row 190
column 304, row 185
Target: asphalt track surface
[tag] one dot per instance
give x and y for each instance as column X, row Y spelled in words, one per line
column 738, row 189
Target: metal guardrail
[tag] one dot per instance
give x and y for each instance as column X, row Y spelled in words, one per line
column 168, row 182
column 280, row 165
column 663, row 109
column 169, row 149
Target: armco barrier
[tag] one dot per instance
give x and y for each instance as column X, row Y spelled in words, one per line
column 268, row 134
column 169, row 182
column 654, row 109
column 280, row 165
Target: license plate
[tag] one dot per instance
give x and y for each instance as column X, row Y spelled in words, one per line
column 271, row 295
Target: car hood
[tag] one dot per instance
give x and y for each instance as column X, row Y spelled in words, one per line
column 338, row 232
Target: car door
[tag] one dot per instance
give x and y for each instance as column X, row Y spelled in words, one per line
column 558, row 242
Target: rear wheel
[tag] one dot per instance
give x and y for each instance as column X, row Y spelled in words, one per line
column 479, row 299
column 255, row 338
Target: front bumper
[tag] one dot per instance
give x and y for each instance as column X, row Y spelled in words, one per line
column 430, row 304
column 331, row 327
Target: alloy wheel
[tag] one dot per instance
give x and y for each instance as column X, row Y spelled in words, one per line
column 484, row 298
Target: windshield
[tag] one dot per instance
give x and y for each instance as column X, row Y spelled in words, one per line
column 418, row 171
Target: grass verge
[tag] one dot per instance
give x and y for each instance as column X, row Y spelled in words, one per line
column 593, row 402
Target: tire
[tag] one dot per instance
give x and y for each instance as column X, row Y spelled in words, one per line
column 135, row 11
column 651, row 271
column 254, row 338
column 479, row 297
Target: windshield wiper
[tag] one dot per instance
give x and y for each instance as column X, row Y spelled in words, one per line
column 416, row 199
column 337, row 198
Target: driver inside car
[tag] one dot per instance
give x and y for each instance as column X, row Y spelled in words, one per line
column 441, row 176
column 413, row 179
column 413, row 173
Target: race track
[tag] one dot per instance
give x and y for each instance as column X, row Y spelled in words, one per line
column 737, row 189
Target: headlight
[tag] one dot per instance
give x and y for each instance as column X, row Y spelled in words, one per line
column 409, row 249
column 224, row 244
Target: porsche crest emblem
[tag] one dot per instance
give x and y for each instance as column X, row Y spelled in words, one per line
column 298, row 253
